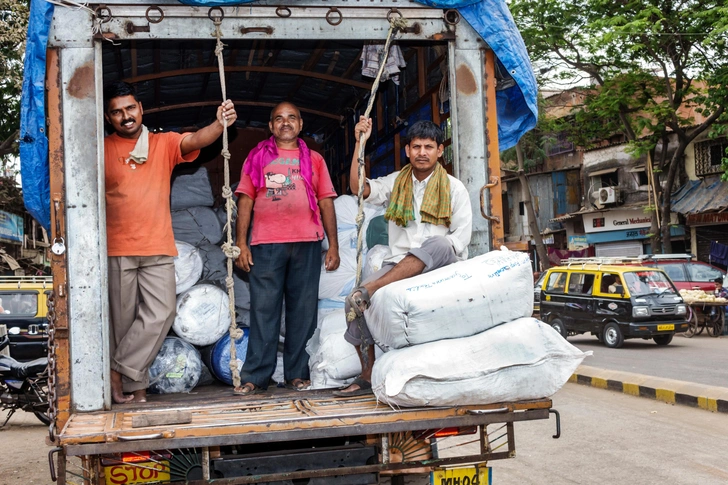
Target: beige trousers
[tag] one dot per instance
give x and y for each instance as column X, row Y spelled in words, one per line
column 142, row 304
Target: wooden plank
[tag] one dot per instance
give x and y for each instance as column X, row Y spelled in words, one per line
column 497, row 231
column 161, row 419
column 421, row 72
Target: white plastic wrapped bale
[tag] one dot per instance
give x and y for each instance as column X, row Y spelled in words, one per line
column 190, row 188
column 333, row 359
column 458, row 300
column 187, row 266
column 203, row 315
column 196, row 225
column 177, row 367
column 375, row 259
column 519, row 360
column 337, row 284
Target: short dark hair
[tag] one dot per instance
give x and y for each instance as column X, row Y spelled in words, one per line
column 117, row 89
column 718, row 280
column 425, row 130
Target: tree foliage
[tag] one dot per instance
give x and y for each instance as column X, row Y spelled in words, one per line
column 655, row 65
column 13, row 28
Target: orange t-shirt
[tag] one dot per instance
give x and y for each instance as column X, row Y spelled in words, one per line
column 138, row 218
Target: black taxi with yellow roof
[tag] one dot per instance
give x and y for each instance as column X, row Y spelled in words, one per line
column 612, row 301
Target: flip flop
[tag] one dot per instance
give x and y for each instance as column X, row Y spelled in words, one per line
column 248, row 389
column 365, row 388
column 298, row 384
column 356, row 302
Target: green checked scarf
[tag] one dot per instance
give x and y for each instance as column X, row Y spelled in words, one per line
column 436, row 207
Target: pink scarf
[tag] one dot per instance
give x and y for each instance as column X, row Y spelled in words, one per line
column 267, row 151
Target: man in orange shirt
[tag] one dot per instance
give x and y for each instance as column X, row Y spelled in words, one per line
column 288, row 188
column 139, row 233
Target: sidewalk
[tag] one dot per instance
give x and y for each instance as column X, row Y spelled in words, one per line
column 671, row 391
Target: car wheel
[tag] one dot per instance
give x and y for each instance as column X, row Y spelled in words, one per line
column 663, row 339
column 558, row 325
column 612, row 336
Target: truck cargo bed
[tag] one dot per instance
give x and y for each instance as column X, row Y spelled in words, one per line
column 215, row 417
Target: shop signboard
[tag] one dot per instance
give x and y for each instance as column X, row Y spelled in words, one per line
column 11, row 227
column 577, row 243
column 616, row 220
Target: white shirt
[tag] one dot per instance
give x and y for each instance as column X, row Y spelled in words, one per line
column 402, row 239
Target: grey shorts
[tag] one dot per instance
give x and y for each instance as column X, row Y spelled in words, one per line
column 435, row 252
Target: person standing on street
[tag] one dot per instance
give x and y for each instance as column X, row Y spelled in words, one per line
column 288, row 189
column 140, row 241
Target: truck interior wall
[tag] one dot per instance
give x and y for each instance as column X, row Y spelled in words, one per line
column 179, row 90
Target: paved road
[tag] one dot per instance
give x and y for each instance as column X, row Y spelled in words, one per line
column 701, row 359
column 607, row 438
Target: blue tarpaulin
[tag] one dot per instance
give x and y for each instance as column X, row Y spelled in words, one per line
column 516, row 105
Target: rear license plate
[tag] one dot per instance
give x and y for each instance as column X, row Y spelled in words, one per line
column 464, row 476
column 665, row 327
column 133, row 473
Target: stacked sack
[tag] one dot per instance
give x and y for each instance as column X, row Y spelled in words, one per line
column 462, row 334
column 203, row 313
column 333, row 361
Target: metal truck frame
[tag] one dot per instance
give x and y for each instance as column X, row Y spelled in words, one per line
column 352, row 439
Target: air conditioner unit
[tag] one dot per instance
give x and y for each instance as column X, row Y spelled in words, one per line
column 608, row 195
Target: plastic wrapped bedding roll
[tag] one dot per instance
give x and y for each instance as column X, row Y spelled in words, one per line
column 177, row 367
column 187, row 266
column 203, row 315
column 196, row 225
column 220, row 356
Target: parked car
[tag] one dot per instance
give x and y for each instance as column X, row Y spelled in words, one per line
column 23, row 310
column 685, row 271
column 612, row 302
column 537, row 295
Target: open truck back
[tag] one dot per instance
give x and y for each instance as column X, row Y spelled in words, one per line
column 306, row 52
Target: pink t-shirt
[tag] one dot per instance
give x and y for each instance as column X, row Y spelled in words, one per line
column 281, row 210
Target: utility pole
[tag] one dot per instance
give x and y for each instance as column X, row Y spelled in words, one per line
column 543, row 256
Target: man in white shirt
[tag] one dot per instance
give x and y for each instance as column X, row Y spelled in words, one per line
column 429, row 221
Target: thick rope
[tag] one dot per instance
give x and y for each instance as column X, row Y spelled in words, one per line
column 394, row 26
column 231, row 251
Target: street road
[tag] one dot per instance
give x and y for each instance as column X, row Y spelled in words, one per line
column 607, row 438
column 701, row 359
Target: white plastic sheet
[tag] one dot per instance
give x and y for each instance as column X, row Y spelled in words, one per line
column 458, row 300
column 187, row 266
column 523, row 359
column 375, row 258
column 203, row 315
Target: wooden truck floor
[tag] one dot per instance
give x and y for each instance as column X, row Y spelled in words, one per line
column 212, row 416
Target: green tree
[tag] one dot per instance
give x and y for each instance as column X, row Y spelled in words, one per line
column 652, row 63
column 13, row 28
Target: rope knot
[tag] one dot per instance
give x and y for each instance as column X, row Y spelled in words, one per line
column 230, row 250
column 236, row 333
column 229, row 282
column 227, row 192
column 225, row 153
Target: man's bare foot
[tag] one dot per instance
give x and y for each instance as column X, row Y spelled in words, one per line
column 360, row 387
column 117, row 389
column 140, row 395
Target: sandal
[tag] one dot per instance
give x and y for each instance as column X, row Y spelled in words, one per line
column 248, row 389
column 365, row 387
column 298, row 384
column 359, row 302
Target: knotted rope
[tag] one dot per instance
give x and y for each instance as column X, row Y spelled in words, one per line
column 395, row 24
column 231, row 251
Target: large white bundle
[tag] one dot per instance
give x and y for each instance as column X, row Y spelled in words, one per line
column 203, row 315
column 523, row 359
column 187, row 266
column 337, row 284
column 331, row 355
column 459, row 300
column 375, row 258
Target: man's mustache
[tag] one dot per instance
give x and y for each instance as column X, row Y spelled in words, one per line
column 128, row 120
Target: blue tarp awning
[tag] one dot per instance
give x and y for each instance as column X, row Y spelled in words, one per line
column 696, row 196
column 516, row 105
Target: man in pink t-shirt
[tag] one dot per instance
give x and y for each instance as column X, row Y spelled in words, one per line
column 289, row 190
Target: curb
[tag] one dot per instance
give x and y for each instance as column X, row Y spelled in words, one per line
column 710, row 398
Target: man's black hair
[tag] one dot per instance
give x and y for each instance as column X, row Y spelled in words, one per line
column 718, row 280
column 117, row 89
column 425, row 130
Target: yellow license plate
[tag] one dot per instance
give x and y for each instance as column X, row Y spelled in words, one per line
column 463, row 476
column 665, row 327
column 133, row 473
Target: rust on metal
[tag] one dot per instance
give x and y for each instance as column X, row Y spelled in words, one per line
column 81, row 84
column 465, row 80
column 493, row 168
